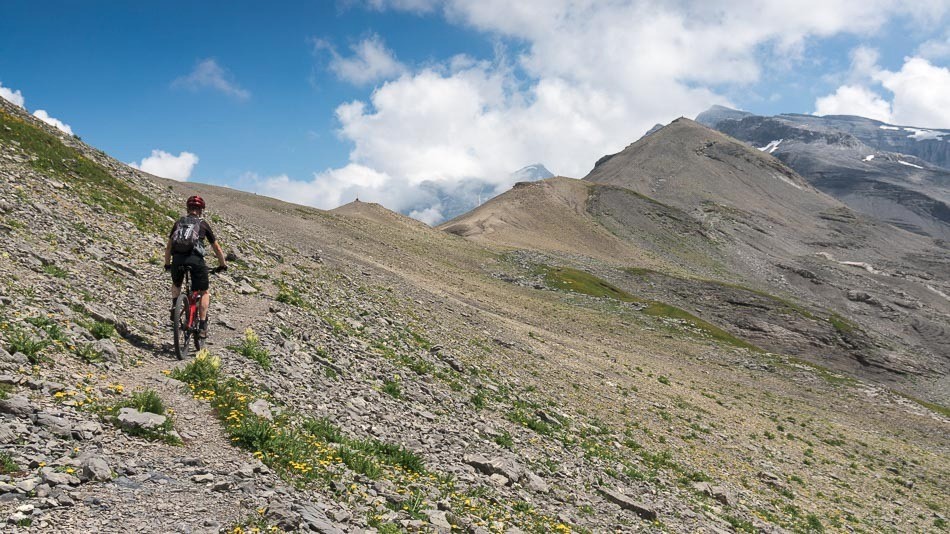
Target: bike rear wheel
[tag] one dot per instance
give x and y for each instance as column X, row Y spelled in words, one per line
column 180, row 327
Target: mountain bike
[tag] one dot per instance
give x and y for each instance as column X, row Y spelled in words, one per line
column 186, row 312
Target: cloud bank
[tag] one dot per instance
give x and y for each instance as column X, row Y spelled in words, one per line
column 166, row 165
column 572, row 80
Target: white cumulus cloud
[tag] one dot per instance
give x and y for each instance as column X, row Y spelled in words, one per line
column 166, row 165
column 919, row 94
column 935, row 49
column 42, row 115
column 854, row 100
column 371, row 61
column 582, row 78
column 15, row 97
column 208, row 74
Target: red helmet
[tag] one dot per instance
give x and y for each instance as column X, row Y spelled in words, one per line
column 195, row 202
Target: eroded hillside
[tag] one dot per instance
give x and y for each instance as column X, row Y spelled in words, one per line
column 399, row 378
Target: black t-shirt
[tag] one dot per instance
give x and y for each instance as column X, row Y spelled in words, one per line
column 204, row 231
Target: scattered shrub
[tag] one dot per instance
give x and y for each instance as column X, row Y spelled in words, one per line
column 252, row 349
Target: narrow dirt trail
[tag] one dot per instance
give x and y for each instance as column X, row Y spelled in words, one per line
column 203, row 485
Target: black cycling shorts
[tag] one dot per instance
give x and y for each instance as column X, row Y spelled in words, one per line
column 193, row 263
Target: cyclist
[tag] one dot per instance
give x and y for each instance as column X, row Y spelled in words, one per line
column 185, row 251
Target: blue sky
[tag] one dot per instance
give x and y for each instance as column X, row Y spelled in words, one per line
column 407, row 101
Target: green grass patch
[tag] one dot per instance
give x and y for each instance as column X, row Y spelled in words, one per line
column 527, row 420
column 660, row 309
column 568, row 279
column 842, row 325
column 102, row 330
column 505, row 440
column 252, row 349
column 7, row 465
column 55, row 271
column 301, row 449
column 87, row 353
column 91, row 182
column 147, row 401
column 290, row 295
column 391, row 388
column 577, row 281
column 932, row 406
column 24, row 342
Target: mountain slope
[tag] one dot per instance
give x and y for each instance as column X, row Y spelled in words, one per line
column 737, row 216
column 852, row 159
column 395, row 379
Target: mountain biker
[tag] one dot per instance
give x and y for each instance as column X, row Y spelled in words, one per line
column 185, row 251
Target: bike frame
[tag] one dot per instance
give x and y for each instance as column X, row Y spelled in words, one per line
column 186, row 325
column 193, row 299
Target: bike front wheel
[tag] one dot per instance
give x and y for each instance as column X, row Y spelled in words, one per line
column 181, row 327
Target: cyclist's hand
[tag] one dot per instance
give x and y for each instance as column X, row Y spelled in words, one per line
column 168, row 266
column 220, row 269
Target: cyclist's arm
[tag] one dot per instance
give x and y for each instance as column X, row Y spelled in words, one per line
column 218, row 252
column 168, row 252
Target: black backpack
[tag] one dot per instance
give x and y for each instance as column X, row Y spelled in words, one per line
column 186, row 239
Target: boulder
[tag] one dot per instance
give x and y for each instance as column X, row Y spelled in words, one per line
column 505, row 467
column 261, row 408
column 106, row 347
column 641, row 509
column 132, row 418
column 95, row 468
column 57, row 425
column 17, row 405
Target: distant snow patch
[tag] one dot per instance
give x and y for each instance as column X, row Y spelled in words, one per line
column 863, row 265
column 923, row 135
column 786, row 180
column 909, row 164
column 869, row 157
column 771, row 146
column 885, row 127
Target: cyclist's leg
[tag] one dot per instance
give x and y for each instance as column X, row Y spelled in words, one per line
column 203, row 304
column 199, row 282
column 178, row 276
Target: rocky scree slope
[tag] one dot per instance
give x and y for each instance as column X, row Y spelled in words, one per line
column 391, row 380
column 740, row 231
column 897, row 174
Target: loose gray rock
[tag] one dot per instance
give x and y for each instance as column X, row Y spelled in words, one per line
column 535, row 483
column 641, row 509
column 314, row 519
column 283, row 516
column 261, row 408
column 132, row 418
column 57, row 425
column 106, row 347
column 96, row 468
column 56, row 478
column 505, row 467
column 17, row 405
